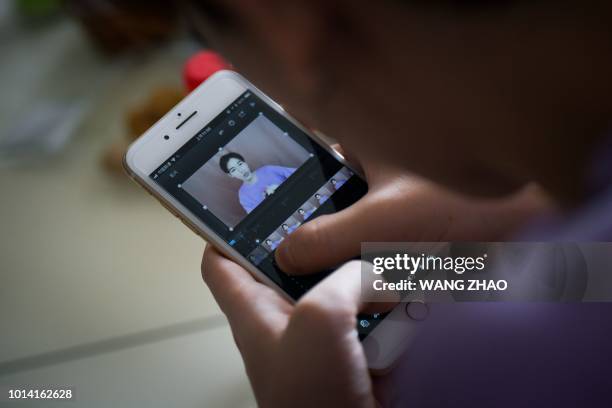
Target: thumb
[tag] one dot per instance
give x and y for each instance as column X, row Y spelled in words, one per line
column 323, row 243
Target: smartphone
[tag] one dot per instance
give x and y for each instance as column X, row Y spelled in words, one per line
column 239, row 171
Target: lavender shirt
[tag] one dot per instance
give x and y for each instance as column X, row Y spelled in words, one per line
column 251, row 195
column 517, row 354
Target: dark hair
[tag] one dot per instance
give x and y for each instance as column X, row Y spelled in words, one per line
column 225, row 158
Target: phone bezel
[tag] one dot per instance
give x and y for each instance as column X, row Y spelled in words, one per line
column 151, row 149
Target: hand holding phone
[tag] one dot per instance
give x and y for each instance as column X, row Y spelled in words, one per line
column 296, row 355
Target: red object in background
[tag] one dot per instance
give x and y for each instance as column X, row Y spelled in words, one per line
column 200, row 66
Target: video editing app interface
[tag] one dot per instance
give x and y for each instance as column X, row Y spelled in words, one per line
column 254, row 177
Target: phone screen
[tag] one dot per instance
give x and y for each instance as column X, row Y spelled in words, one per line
column 254, row 177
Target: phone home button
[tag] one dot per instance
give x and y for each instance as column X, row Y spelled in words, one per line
column 417, row 310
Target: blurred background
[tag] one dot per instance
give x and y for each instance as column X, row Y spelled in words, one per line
column 100, row 287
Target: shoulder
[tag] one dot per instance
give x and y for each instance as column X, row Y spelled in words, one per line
column 267, row 168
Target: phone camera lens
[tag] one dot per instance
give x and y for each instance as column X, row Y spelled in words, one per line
column 166, row 137
column 179, row 114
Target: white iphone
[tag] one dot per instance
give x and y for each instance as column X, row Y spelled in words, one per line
column 243, row 174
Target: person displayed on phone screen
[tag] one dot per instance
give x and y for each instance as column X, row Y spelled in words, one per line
column 288, row 229
column 321, row 198
column 257, row 184
column 305, row 213
column 337, row 183
column 273, row 243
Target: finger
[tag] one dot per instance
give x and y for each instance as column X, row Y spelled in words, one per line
column 324, row 242
column 293, row 254
column 337, row 147
column 251, row 307
column 345, row 293
column 375, row 301
column 384, row 214
column 323, row 336
column 372, row 169
column 353, row 160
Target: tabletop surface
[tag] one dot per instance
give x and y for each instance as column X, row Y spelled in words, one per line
column 100, row 287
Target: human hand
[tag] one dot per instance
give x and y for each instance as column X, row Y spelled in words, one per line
column 308, row 354
column 402, row 207
column 302, row 355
